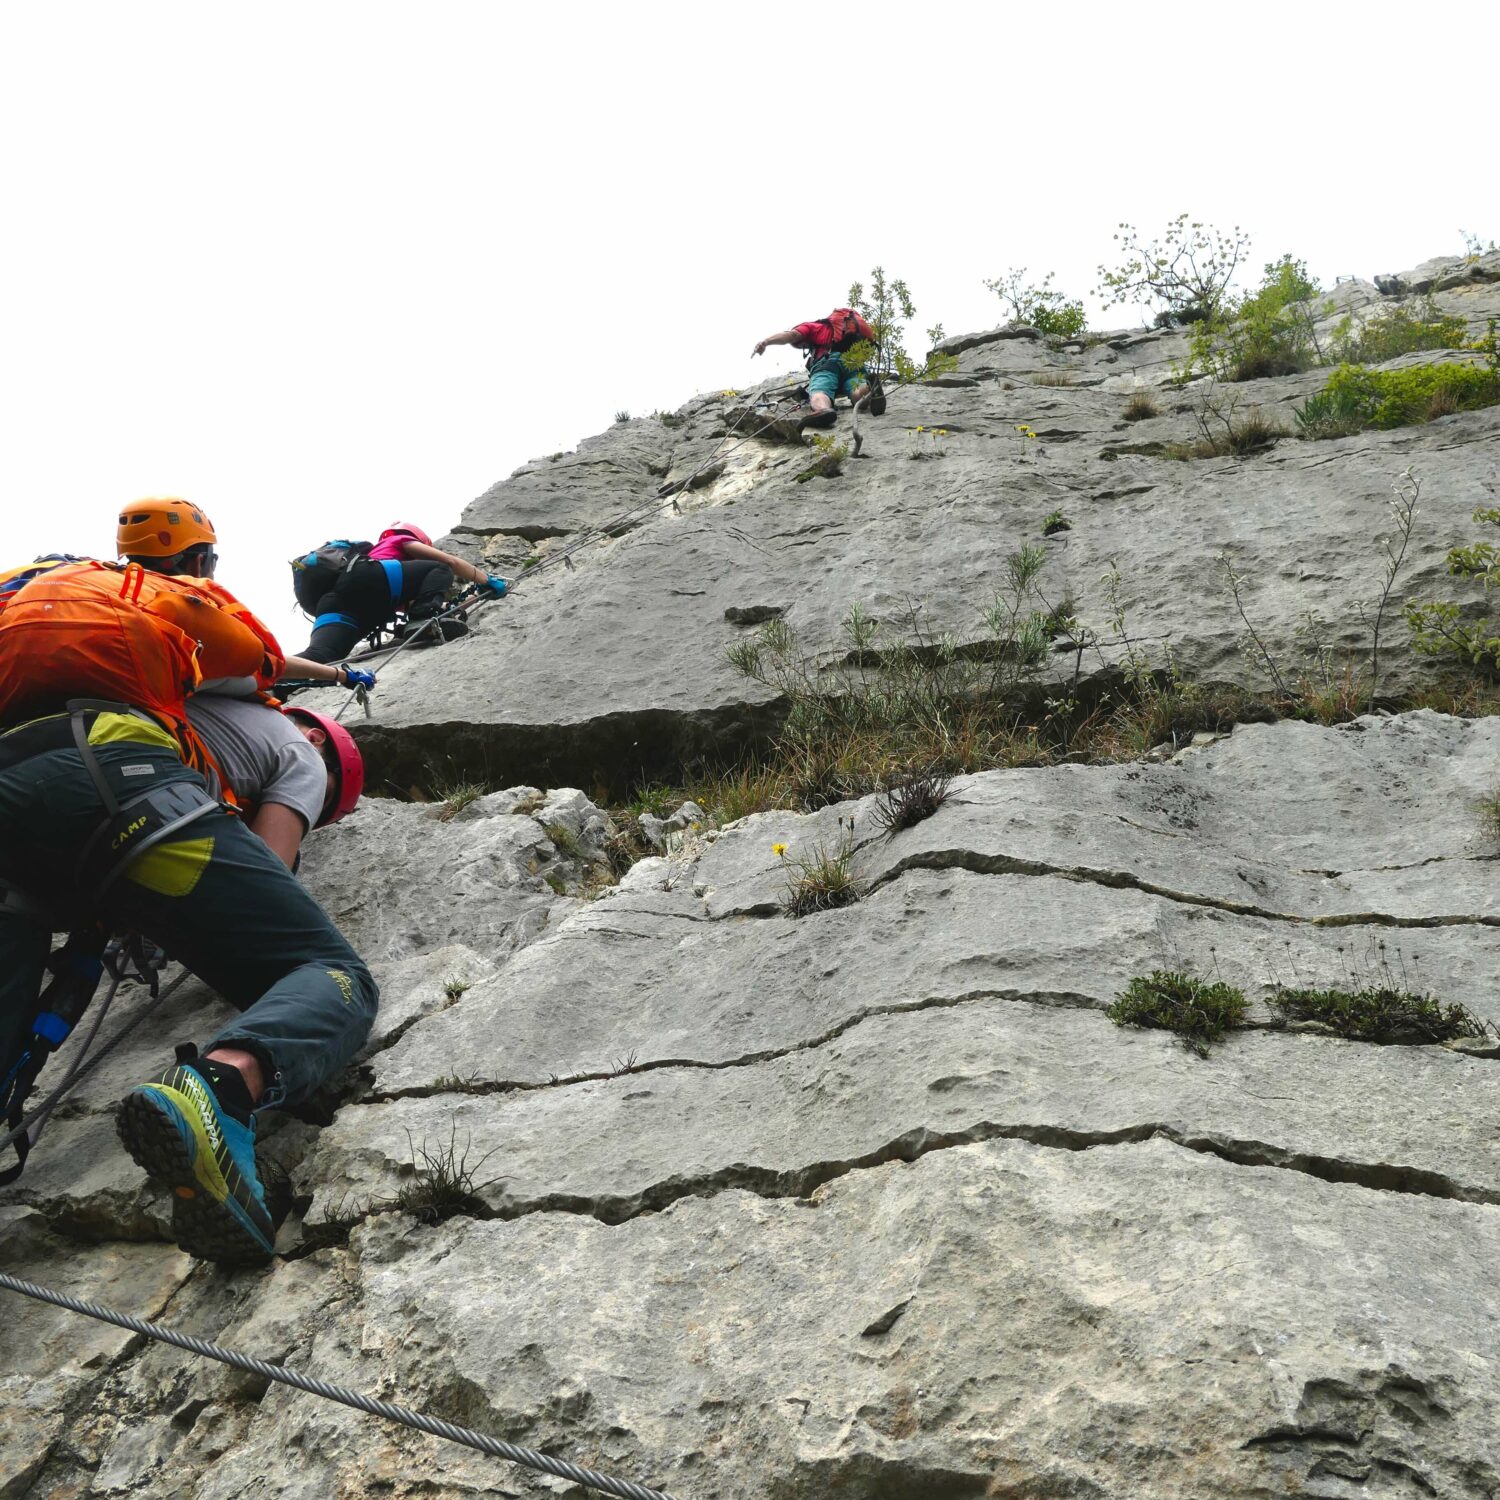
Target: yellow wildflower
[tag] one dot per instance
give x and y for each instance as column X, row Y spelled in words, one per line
column 779, row 850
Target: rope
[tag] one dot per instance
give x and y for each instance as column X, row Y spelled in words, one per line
column 527, row 1457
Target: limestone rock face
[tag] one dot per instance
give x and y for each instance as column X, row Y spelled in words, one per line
column 876, row 1202
column 917, row 517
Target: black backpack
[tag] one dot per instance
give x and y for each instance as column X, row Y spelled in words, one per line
column 316, row 572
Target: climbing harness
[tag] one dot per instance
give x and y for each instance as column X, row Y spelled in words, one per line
column 527, row 1457
column 76, row 970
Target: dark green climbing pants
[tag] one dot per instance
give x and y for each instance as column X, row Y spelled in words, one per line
column 214, row 897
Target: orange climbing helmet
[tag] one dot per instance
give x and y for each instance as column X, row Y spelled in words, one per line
column 161, row 527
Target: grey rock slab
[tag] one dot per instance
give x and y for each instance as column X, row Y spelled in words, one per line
column 1419, row 1118
column 1117, row 1322
column 398, row 880
column 55, row 1358
column 1302, row 525
column 1379, row 816
column 632, row 979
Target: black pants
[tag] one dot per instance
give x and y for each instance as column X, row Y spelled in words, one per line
column 361, row 602
column 214, row 897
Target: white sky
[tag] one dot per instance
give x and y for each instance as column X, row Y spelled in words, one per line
column 319, row 265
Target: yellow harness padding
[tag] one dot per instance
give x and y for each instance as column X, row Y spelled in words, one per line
column 114, row 729
column 171, row 869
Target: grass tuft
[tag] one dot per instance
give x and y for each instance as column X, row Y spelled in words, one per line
column 443, row 1185
column 1377, row 1013
column 1140, row 406
column 1489, row 814
column 821, row 880
column 912, row 800
column 1198, row 1010
column 456, row 798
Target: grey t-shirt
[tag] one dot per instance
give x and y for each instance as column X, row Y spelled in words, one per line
column 262, row 753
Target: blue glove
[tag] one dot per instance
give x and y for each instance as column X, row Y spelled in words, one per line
column 493, row 587
column 353, row 677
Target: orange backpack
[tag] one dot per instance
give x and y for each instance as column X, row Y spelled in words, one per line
column 118, row 632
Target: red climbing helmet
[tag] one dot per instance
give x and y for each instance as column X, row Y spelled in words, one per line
column 406, row 528
column 350, row 770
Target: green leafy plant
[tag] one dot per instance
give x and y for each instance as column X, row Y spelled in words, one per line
column 622, row 416
column 1439, row 629
column 1055, row 521
column 454, row 988
column 1200, row 1011
column 1356, row 398
column 820, row 880
column 1187, row 270
column 1270, row 332
column 1039, row 307
column 1407, row 328
column 888, row 308
column 670, row 418
column 829, row 463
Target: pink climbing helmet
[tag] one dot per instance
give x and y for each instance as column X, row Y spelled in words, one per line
column 406, row 528
column 349, row 772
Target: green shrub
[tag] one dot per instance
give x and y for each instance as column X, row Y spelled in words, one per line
column 1357, row 398
column 1039, row 307
column 1439, row 629
column 1403, row 329
column 1377, row 1013
column 1268, row 333
column 887, row 309
column 1199, row 1011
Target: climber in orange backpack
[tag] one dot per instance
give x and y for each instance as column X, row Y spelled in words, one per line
column 170, row 535
column 291, row 770
column 826, row 341
column 115, row 815
column 354, row 588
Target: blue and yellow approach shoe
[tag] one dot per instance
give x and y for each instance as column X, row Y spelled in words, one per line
column 188, row 1142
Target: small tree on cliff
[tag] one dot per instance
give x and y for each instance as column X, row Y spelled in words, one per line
column 888, row 309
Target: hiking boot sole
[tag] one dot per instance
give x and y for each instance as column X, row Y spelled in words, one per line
column 206, row 1220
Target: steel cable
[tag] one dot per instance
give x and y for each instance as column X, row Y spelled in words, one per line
column 527, row 1457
